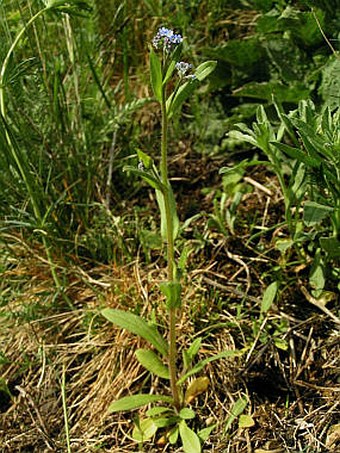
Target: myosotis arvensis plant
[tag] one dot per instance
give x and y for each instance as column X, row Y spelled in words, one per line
column 166, row 66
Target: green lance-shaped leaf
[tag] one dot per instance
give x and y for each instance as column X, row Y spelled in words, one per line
column 152, row 363
column 204, row 433
column 151, row 178
column 137, row 326
column 202, row 363
column 176, row 99
column 269, row 296
column 172, row 292
column 190, row 441
column 205, row 69
column 130, row 403
column 236, row 411
column 191, row 352
column 156, row 75
column 297, row 154
column 160, row 194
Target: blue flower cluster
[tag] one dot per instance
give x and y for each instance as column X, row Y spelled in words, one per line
column 166, row 39
column 183, row 68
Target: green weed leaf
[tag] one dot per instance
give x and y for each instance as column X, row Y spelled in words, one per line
column 161, row 204
column 297, row 154
column 177, row 98
column 190, row 440
column 204, row 433
column 172, row 292
column 314, row 213
column 155, row 411
column 331, row 245
column 205, row 69
column 186, row 413
column 246, row 421
column 173, row 435
column 156, row 75
column 137, row 326
column 268, row 297
column 130, row 403
column 191, row 352
column 148, row 177
column 236, row 411
column 152, row 363
column 144, row 430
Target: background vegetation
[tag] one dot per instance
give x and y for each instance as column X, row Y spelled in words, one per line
column 254, row 161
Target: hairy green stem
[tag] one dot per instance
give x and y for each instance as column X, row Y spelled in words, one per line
column 170, row 253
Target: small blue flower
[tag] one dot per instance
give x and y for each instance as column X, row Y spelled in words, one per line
column 183, row 68
column 166, row 39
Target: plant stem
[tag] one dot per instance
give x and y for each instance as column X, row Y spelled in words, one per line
column 170, row 252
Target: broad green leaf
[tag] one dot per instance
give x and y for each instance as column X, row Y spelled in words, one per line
column 284, row 244
column 236, row 411
column 172, row 292
column 244, row 54
column 129, row 403
column 204, row 69
column 156, row 75
column 246, row 421
column 268, row 297
column 314, row 213
column 331, row 246
column 137, row 326
column 152, row 363
column 201, row 364
column 186, row 413
column 145, row 430
column 161, row 204
column 190, row 441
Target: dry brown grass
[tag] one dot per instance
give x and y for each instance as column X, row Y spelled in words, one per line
column 294, row 394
